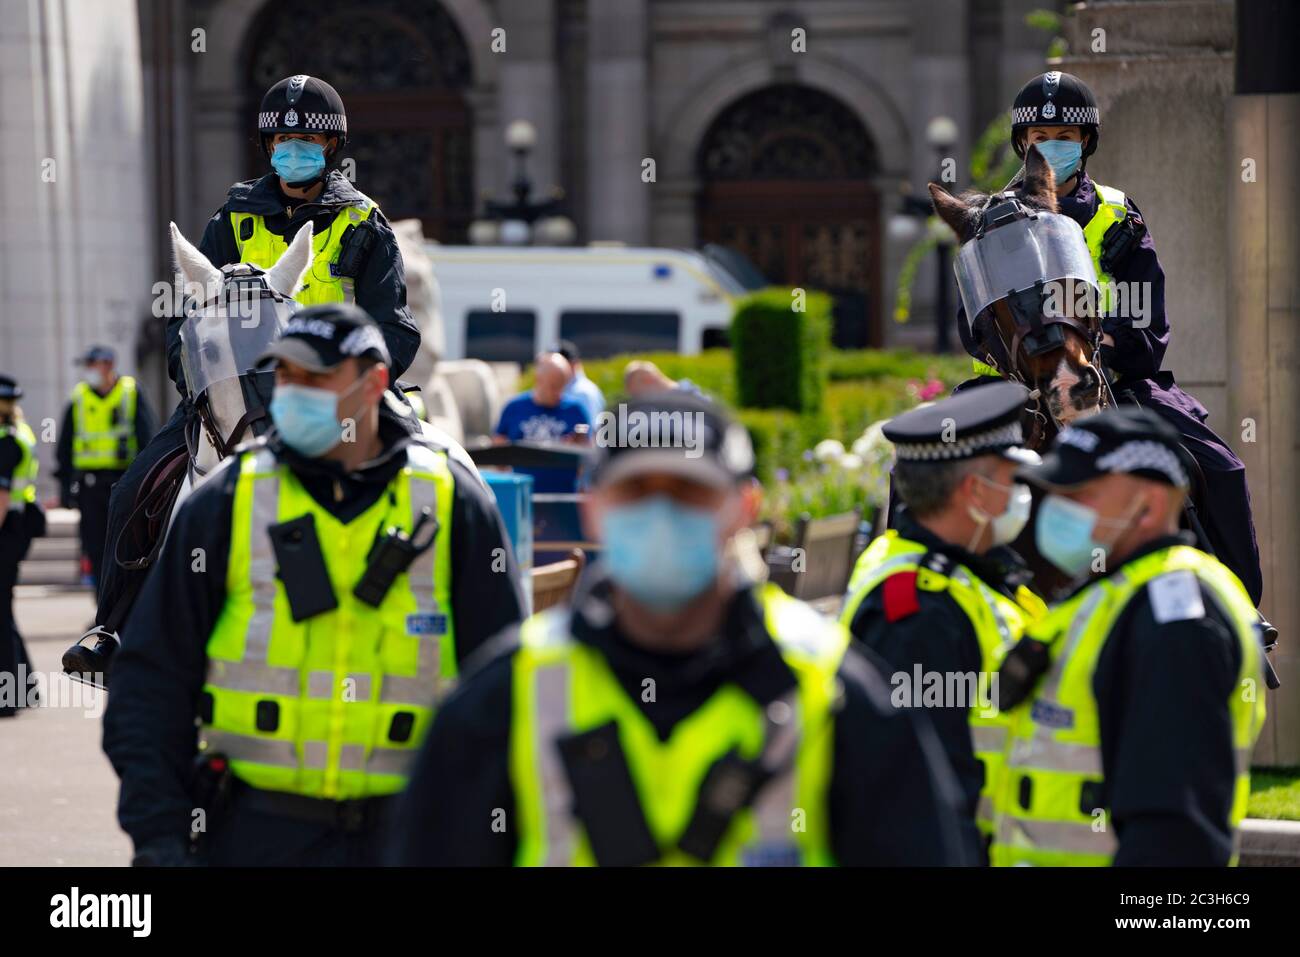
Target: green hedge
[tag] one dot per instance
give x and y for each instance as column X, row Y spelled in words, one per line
column 780, row 352
column 865, row 386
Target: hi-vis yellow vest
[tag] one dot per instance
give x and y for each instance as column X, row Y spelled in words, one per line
column 320, row 285
column 1048, row 808
column 22, row 488
column 103, row 427
column 562, row 686
column 1111, row 209
column 997, row 620
column 334, row 706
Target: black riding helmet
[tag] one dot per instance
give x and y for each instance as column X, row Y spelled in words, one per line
column 1055, row 99
column 302, row 104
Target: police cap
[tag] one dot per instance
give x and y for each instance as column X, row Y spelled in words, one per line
column 1128, row 440
column 318, row 338
column 984, row 420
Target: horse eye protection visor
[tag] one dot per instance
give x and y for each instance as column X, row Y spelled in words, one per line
column 1018, row 255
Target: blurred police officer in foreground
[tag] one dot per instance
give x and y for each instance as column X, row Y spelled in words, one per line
column 302, row 129
column 1140, row 696
column 676, row 711
column 106, row 423
column 21, row 519
column 939, row 594
column 313, row 599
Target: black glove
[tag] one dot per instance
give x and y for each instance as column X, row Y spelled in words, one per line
column 165, row 852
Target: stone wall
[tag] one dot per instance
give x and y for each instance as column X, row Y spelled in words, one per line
column 75, row 254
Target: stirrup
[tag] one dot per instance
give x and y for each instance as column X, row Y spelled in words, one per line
column 91, row 664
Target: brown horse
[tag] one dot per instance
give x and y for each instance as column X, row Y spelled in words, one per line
column 1050, row 345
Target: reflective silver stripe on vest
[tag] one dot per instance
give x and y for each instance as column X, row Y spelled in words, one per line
column 1064, row 836
column 261, row 564
column 243, row 747
column 390, row 761
column 254, row 676
column 354, row 686
column 1043, row 753
column 775, row 803
column 989, row 597
column 985, row 737
column 426, row 686
column 552, row 710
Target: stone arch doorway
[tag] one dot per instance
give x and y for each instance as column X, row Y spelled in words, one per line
column 403, row 69
column 787, row 180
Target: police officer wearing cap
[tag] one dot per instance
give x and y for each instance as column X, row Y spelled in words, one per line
column 301, row 128
column 1138, row 699
column 21, row 520
column 677, row 711
column 106, row 423
column 1058, row 114
column 940, row 594
column 314, row 599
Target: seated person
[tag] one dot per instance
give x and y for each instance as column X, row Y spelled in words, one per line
column 642, row 377
column 543, row 414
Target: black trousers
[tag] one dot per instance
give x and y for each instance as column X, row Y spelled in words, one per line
column 243, row 837
column 14, row 542
column 94, row 492
column 115, row 580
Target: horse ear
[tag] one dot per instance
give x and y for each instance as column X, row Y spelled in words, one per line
column 951, row 210
column 285, row 277
column 194, row 267
column 1040, row 182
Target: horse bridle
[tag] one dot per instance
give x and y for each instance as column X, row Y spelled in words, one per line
column 1033, row 333
column 245, row 276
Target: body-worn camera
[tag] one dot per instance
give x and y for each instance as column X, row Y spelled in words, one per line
column 392, row 554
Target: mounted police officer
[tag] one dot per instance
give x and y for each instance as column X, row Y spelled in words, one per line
column 21, row 520
column 1138, row 699
column 302, row 128
column 677, row 712
column 312, row 601
column 106, row 423
column 1058, row 114
column 939, row 594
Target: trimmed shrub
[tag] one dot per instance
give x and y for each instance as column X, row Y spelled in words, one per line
column 780, row 353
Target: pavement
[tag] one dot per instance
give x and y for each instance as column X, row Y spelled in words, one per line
column 58, row 793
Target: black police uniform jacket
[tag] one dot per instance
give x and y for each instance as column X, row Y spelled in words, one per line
column 380, row 289
column 159, row 671
column 934, row 634
column 893, row 800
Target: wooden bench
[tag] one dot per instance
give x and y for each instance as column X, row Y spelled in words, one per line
column 554, row 583
column 821, row 560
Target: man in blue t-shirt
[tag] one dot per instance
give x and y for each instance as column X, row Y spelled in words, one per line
column 545, row 415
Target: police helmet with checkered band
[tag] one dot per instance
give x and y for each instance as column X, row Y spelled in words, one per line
column 1055, row 99
column 302, row 104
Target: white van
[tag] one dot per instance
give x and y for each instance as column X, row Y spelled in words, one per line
column 507, row 303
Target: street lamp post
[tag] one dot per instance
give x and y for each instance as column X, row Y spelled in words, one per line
column 941, row 133
column 521, row 221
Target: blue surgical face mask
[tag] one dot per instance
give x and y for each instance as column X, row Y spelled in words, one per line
column 307, row 418
column 661, row 552
column 1065, row 533
column 1062, row 155
column 298, row 161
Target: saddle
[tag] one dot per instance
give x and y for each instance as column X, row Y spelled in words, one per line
column 141, row 538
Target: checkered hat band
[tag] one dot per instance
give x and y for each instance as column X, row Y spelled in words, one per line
column 1132, row 456
column 1069, row 115
column 1002, row 437
column 326, row 122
